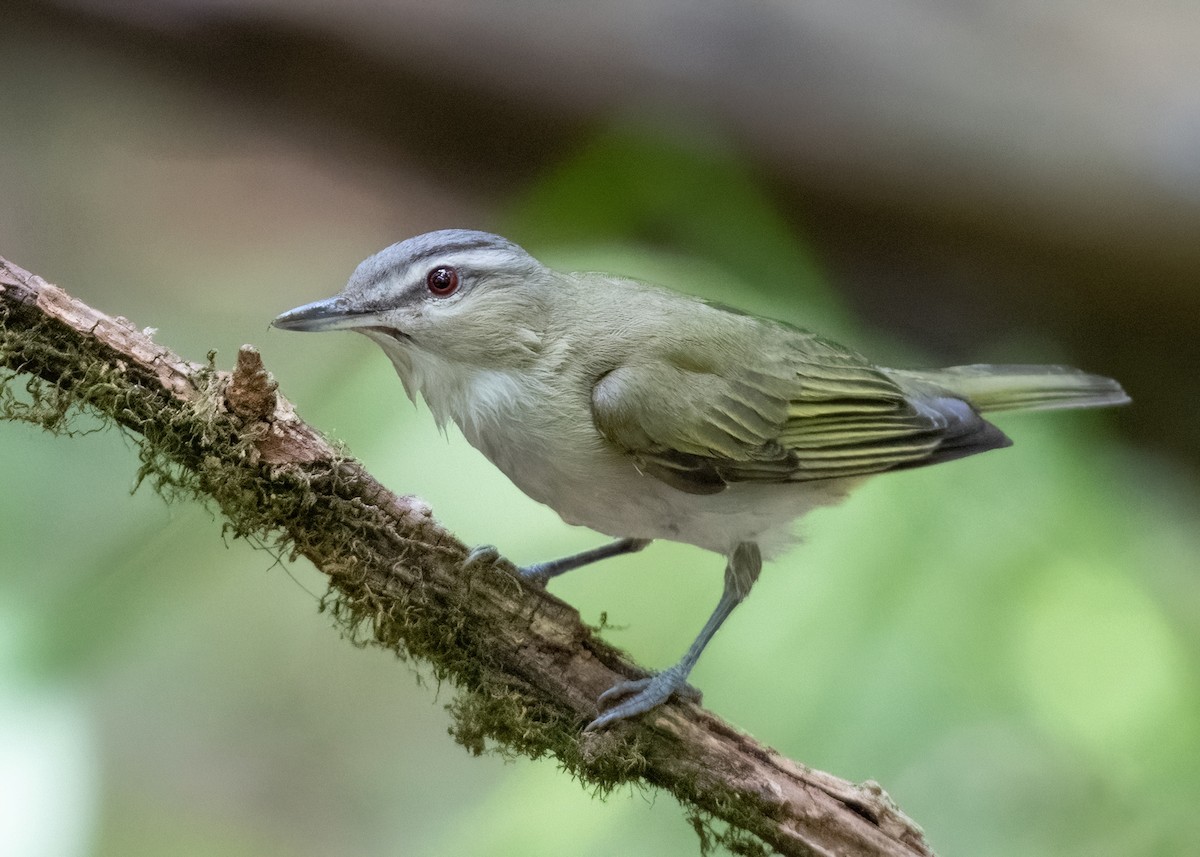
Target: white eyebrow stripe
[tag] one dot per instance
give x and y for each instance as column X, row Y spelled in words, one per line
column 485, row 259
column 482, row 260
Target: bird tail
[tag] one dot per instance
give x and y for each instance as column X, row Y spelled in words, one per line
column 1017, row 387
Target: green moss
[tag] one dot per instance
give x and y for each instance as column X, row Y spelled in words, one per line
column 48, row 405
column 714, row 835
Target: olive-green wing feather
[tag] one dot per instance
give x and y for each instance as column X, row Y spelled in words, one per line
column 819, row 412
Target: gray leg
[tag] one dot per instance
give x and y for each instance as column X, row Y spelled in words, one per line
column 741, row 571
column 540, row 572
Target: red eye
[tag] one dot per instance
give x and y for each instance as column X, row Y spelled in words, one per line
column 442, row 281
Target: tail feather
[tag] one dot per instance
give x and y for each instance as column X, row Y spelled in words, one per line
column 1017, row 387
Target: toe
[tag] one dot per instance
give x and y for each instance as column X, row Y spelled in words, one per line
column 481, row 555
column 620, row 690
column 536, row 574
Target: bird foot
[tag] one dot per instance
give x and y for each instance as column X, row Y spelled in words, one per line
column 490, row 555
column 481, row 555
column 538, row 574
column 629, row 698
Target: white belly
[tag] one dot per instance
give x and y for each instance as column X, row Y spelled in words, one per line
column 556, row 457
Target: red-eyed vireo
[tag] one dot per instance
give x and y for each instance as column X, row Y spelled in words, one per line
column 647, row 414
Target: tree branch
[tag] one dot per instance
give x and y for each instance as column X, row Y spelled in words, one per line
column 528, row 671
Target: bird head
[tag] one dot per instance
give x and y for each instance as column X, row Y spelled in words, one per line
column 456, row 296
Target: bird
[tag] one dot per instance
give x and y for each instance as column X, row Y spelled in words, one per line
column 646, row 414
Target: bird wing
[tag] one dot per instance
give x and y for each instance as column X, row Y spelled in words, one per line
column 820, row 412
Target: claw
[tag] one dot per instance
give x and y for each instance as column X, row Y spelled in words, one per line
column 481, row 555
column 620, row 690
column 490, row 555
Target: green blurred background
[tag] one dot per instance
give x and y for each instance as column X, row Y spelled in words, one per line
column 1008, row 644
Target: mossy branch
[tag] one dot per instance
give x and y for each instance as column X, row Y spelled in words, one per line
column 526, row 669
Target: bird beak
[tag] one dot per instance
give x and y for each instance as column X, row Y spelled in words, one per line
column 330, row 314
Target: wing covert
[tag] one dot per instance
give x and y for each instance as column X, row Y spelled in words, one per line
column 700, row 430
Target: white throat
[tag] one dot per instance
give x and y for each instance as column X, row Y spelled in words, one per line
column 475, row 399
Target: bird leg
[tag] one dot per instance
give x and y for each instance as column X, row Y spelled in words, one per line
column 641, row 695
column 540, row 572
